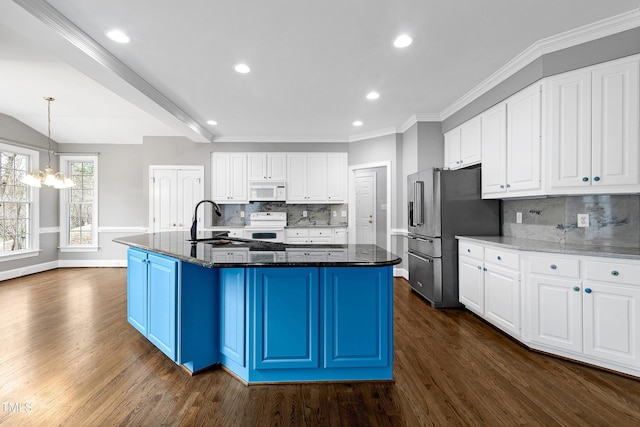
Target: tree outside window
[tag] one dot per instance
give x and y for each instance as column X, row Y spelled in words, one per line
column 15, row 203
column 81, row 203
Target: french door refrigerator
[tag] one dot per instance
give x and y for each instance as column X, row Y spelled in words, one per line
column 443, row 204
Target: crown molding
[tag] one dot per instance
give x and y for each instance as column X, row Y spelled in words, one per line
column 274, row 139
column 373, row 134
column 81, row 40
column 586, row 33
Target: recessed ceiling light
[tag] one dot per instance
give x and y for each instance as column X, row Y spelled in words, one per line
column 373, row 95
column 212, row 122
column 402, row 41
column 118, row 36
column 242, row 68
column 357, row 123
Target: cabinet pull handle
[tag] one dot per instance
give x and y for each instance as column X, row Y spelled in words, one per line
column 553, row 266
column 576, row 288
column 585, row 179
column 615, row 273
column 596, row 178
column 468, row 250
column 484, row 268
column 499, row 258
column 587, row 290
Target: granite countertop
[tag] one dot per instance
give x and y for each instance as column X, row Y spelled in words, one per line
column 176, row 244
column 559, row 248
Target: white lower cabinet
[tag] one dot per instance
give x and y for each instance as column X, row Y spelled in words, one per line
column 573, row 315
column 489, row 285
column 584, row 308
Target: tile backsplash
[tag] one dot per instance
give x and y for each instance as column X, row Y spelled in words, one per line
column 317, row 215
column 614, row 220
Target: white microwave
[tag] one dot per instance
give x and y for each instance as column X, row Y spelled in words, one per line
column 266, row 190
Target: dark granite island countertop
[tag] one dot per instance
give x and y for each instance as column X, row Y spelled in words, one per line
column 259, row 253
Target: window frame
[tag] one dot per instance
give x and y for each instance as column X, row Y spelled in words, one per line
column 65, row 246
column 33, row 200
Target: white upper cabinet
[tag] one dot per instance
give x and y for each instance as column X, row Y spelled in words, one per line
column 267, row 166
column 523, row 142
column 593, row 129
column 511, row 147
column 337, row 166
column 316, row 177
column 463, row 145
column 494, row 151
column 229, row 178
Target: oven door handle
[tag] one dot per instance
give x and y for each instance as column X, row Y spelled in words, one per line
column 419, row 257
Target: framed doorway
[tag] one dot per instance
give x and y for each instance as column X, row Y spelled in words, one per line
column 360, row 175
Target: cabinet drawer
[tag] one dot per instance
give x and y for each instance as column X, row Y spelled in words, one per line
column 471, row 250
column 320, row 232
column 613, row 272
column 553, row 266
column 502, row 257
column 296, row 232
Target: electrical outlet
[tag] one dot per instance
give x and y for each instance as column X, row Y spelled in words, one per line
column 304, row 214
column 343, row 214
column 518, row 217
column 583, row 220
column 241, row 214
column 335, row 214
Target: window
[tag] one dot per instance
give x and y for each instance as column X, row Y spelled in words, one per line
column 18, row 211
column 79, row 204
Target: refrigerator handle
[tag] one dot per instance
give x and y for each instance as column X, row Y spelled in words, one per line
column 418, row 200
column 410, row 212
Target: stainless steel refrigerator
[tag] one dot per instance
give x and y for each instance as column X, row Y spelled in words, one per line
column 443, row 204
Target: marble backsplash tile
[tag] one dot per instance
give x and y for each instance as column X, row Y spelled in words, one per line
column 614, row 220
column 317, row 214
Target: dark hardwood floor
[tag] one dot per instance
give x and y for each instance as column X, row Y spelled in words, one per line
column 70, row 358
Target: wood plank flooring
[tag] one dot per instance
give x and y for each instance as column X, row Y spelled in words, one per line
column 70, row 358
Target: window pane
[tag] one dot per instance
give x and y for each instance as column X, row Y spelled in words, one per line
column 80, row 203
column 15, row 217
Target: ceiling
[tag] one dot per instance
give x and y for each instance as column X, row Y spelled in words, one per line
column 312, row 63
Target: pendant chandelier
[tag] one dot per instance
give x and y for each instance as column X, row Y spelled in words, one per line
column 48, row 177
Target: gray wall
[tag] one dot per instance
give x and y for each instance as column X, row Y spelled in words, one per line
column 605, row 49
column 12, row 130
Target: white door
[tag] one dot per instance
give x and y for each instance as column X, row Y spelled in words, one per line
column 190, row 191
column 365, row 189
column 173, row 194
column 164, row 200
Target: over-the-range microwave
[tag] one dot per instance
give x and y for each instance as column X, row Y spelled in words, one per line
column 266, row 190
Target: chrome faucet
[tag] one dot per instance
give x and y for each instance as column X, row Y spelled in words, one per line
column 194, row 225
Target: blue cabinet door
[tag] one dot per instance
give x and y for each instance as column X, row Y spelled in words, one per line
column 285, row 318
column 233, row 318
column 358, row 317
column 137, row 290
column 162, row 304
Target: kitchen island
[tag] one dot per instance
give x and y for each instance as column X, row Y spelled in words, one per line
column 266, row 312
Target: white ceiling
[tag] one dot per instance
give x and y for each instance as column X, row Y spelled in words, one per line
column 312, row 63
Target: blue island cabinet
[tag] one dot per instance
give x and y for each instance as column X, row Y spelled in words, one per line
column 174, row 305
column 320, row 324
column 151, row 298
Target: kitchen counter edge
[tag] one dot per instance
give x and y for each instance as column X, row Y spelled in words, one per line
column 531, row 245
